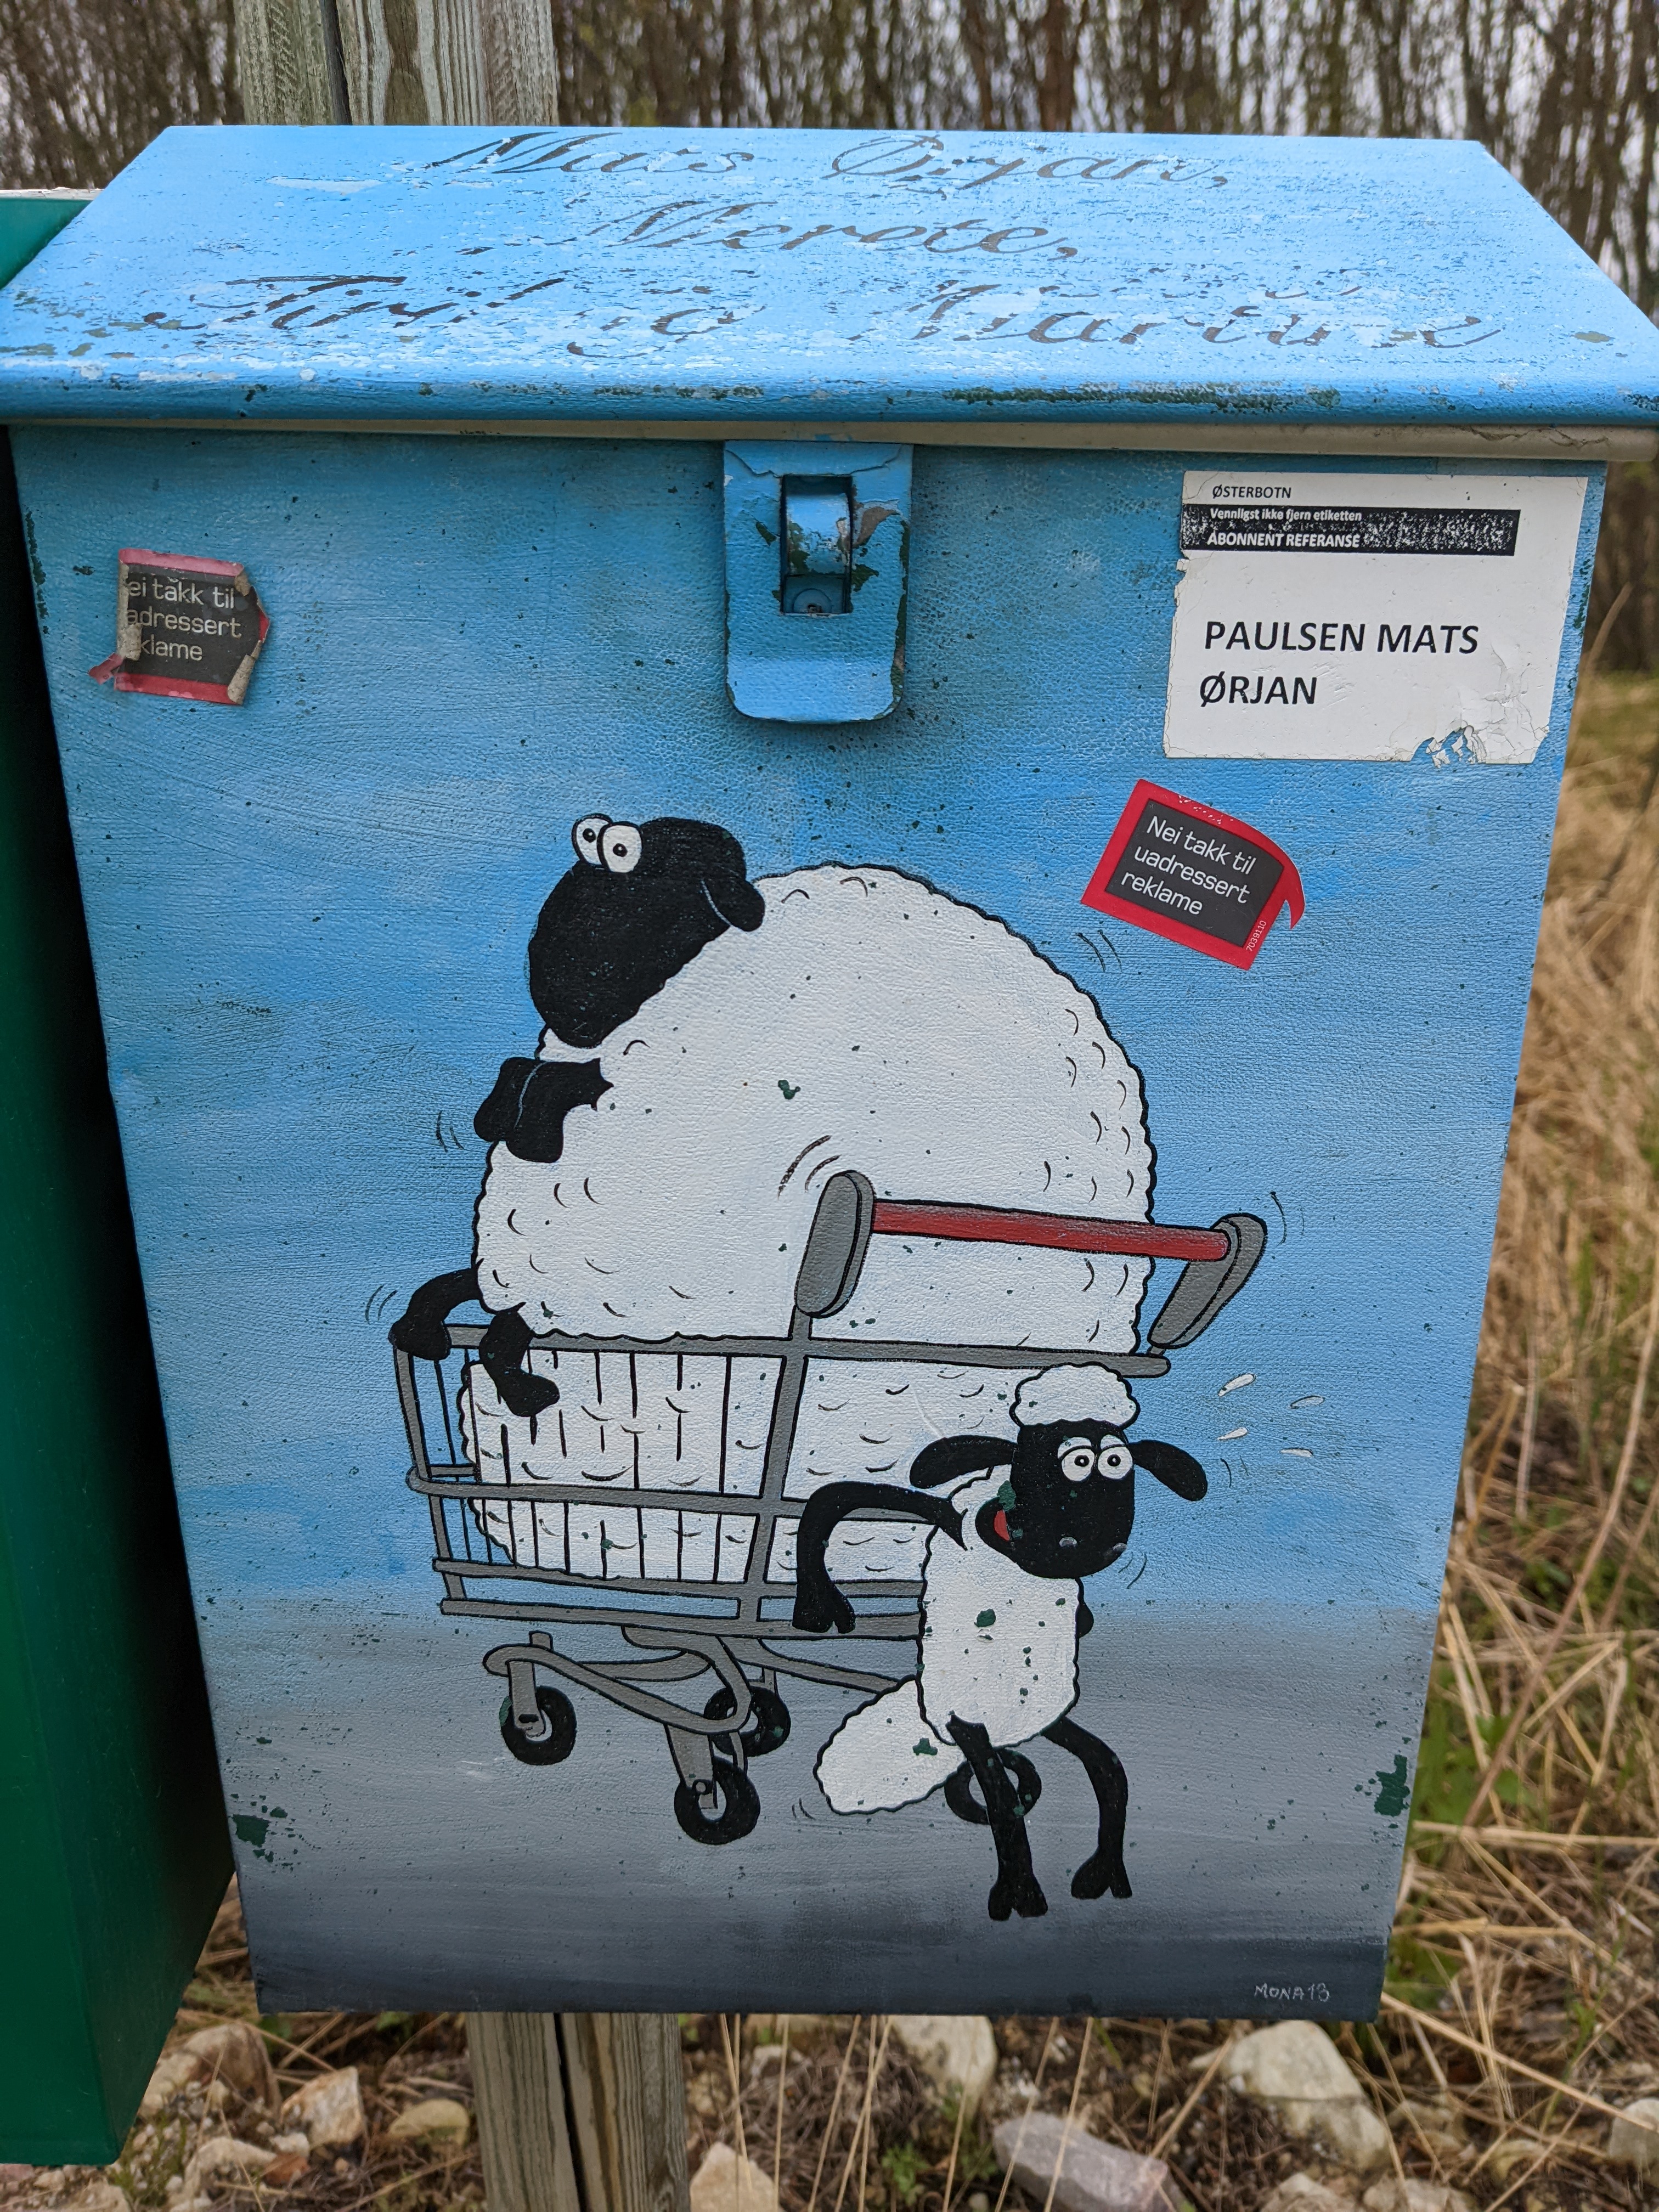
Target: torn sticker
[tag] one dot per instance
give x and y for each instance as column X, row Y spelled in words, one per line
column 185, row 627
column 1201, row 879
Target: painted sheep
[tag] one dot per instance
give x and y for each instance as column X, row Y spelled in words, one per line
column 1002, row 1609
column 755, row 1037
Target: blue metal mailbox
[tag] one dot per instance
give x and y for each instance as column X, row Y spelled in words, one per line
column 851, row 824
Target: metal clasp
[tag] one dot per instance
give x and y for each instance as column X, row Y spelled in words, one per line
column 817, row 551
column 815, row 543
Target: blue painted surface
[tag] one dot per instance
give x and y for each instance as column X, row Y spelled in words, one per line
column 265, row 274
column 310, row 917
column 837, row 668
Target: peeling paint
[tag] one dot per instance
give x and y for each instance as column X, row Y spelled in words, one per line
column 1394, row 1794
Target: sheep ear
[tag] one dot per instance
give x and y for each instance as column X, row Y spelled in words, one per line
column 1175, row 1469
column 950, row 1456
column 735, row 899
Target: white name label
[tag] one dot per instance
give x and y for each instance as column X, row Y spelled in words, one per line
column 1363, row 617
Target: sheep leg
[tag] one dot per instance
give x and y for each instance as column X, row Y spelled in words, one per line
column 1015, row 1888
column 420, row 1330
column 1104, row 1869
column 506, row 1341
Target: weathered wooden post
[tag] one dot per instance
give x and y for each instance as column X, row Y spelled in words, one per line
column 577, row 2112
column 580, row 2112
column 397, row 60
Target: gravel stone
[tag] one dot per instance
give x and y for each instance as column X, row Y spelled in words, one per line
column 956, row 2051
column 1629, row 2142
column 434, row 2119
column 1093, row 2176
column 330, row 2110
column 726, row 2183
column 1295, row 2067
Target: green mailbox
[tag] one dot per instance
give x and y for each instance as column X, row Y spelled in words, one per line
column 112, row 1848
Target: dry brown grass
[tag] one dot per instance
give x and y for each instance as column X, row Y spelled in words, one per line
column 1527, row 1911
column 1524, row 1997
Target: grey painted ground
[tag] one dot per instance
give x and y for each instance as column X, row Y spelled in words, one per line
column 405, row 1860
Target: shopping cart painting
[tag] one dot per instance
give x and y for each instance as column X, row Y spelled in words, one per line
column 699, row 1584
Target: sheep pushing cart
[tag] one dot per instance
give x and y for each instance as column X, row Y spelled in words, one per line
column 514, row 1547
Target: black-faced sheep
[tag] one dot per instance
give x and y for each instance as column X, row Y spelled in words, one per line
column 1002, row 1610
column 639, row 903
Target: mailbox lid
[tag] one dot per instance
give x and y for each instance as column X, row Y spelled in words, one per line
column 598, row 275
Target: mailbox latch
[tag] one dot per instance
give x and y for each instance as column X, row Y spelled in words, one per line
column 817, row 543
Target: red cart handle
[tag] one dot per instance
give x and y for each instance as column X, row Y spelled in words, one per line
column 1061, row 1232
column 849, row 1213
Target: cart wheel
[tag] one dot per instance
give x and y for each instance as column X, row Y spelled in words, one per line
column 959, row 1788
column 561, row 1738
column 739, row 1805
column 769, row 1721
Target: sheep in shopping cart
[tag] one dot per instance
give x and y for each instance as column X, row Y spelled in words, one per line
column 755, row 1037
column 1002, row 1609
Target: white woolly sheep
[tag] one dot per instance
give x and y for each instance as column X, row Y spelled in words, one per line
column 758, row 1038
column 1002, row 1608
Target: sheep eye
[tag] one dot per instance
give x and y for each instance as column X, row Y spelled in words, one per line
column 621, row 846
column 1077, row 1462
column 1115, row 1460
column 586, row 837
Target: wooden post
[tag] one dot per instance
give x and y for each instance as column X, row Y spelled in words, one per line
column 484, row 62
column 577, row 2112
column 288, row 62
column 580, row 2112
